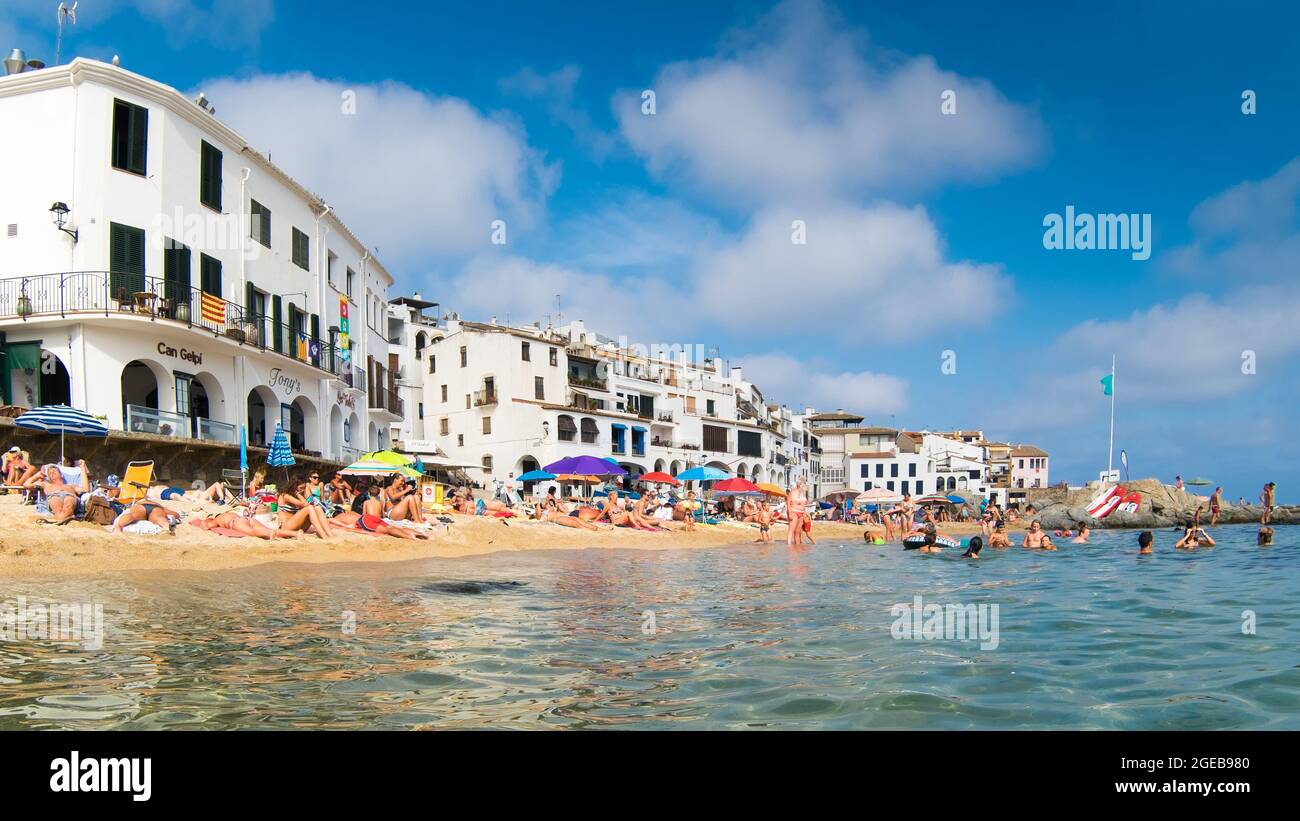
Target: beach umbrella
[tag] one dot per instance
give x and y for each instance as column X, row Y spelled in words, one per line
column 955, row 499
column 537, row 476
column 660, row 477
column 703, row 474
column 62, row 420
column 280, row 456
column 374, row 467
column 585, row 466
column 1199, row 480
column 877, row 496
column 626, row 494
column 933, row 500
column 736, row 487
column 837, row 497
column 771, row 489
column 243, row 460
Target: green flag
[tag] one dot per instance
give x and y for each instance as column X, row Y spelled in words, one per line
column 1108, row 384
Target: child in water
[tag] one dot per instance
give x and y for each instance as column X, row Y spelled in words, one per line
column 976, row 545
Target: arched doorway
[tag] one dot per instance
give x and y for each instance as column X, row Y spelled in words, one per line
column 141, row 398
column 524, row 465
column 55, row 386
column 304, row 431
column 336, row 443
column 263, row 412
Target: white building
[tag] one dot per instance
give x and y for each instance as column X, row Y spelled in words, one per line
column 190, row 286
column 410, row 332
column 514, row 399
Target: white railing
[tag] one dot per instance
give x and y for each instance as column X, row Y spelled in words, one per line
column 140, row 419
column 214, row 431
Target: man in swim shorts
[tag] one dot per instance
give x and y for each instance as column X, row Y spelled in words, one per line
column 1266, row 498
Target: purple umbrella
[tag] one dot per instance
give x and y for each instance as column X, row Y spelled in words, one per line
column 585, row 466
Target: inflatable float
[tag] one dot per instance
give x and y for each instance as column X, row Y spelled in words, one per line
column 916, row 540
column 1112, row 499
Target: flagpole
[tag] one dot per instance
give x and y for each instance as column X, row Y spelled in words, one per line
column 1110, row 453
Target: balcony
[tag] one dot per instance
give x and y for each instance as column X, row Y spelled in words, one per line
column 128, row 294
column 140, row 419
column 485, row 398
column 385, row 399
column 591, row 383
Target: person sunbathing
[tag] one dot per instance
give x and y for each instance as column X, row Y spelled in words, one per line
column 370, row 518
column 151, row 512
column 401, row 501
column 230, row 520
column 340, row 491
column 15, row 467
column 685, row 510
column 297, row 513
column 60, row 497
column 215, row 494
column 571, row 519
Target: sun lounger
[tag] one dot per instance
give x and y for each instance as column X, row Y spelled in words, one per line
column 136, row 482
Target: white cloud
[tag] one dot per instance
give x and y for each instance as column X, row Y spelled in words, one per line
column 557, row 92
column 416, row 175
column 865, row 275
column 637, row 230
column 797, row 109
column 226, row 24
column 799, row 383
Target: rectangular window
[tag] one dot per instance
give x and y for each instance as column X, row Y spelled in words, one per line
column 708, row 407
column 444, row 425
column 911, row 469
column 893, row 469
column 906, row 488
column 880, row 469
column 259, row 223
column 487, row 425
column 555, row 359
column 468, row 398
column 715, row 439
column 302, row 251
column 444, row 393
column 209, row 275
column 464, row 356
column 539, row 387
column 176, row 272
column 433, row 364
column 125, row 260
column 525, row 353
column 277, row 324
column 863, row 472
column 890, row 485
column 460, row 440
column 351, row 276
column 421, row 410
column 130, row 137
column 210, row 175
column 749, row 443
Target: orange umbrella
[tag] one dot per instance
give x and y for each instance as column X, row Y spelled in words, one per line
column 577, row 478
column 771, row 489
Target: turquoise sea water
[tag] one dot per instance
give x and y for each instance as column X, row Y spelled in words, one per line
column 744, row 637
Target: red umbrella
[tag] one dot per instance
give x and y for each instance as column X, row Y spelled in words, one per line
column 736, row 485
column 659, row 476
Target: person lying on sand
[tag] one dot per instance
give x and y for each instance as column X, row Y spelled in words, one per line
column 147, row 512
column 216, row 493
column 570, row 519
column 230, row 520
column 60, row 497
column 368, row 515
column 296, row 513
column 613, row 510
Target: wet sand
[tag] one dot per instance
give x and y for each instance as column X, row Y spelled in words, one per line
column 30, row 548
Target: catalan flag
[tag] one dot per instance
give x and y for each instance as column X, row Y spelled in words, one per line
column 212, row 308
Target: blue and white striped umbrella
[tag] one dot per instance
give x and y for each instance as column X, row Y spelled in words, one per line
column 280, row 455
column 62, row 420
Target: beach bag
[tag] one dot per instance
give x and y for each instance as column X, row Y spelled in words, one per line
column 99, row 511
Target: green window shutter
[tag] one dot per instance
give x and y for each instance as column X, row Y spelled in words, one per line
column 248, row 300
column 125, row 259
column 176, row 271
column 260, row 223
column 210, row 176
column 315, row 338
column 277, row 331
column 130, row 136
column 210, row 273
column 301, row 250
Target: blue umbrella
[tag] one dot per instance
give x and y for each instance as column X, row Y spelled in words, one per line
column 62, row 420
column 956, row 500
column 626, row 494
column 280, row 455
column 536, row 476
column 702, row 474
column 585, row 466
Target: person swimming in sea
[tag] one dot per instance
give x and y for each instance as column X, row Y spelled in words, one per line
column 1034, row 536
column 1145, row 541
column 1194, row 537
column 976, row 545
column 999, row 540
column 1084, row 532
column 1265, row 537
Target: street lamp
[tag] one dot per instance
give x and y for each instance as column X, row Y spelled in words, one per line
column 59, row 213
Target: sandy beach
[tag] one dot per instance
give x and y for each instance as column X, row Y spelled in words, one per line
column 31, row 548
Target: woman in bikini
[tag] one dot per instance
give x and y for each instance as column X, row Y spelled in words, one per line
column 230, row 520
column 572, row 518
column 297, row 513
column 370, row 518
column 151, row 512
column 796, row 507
column 401, row 502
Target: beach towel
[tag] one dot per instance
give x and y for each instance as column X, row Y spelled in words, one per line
column 143, row 529
column 224, row 531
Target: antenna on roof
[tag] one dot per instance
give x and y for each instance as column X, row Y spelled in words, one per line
column 71, row 15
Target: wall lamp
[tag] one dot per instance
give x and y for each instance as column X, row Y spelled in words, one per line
column 59, row 212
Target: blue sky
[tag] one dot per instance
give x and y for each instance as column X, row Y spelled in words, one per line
column 924, row 231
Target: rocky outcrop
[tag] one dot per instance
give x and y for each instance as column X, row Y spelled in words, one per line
column 1162, row 506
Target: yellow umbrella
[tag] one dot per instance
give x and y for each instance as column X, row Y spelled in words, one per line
column 577, row 478
column 771, row 489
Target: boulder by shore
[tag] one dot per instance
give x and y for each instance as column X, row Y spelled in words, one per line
column 1162, row 506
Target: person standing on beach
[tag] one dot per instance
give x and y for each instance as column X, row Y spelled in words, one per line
column 1178, row 482
column 796, row 511
column 1266, row 498
column 1216, row 501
